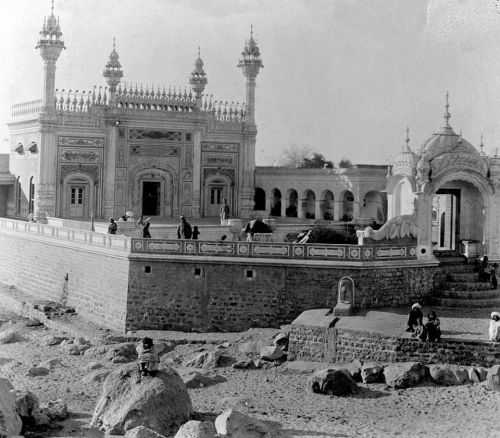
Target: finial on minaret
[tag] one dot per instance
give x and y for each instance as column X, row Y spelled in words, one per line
column 52, row 7
column 447, row 114
column 407, row 141
column 113, row 73
column 251, row 27
column 198, row 79
column 481, row 145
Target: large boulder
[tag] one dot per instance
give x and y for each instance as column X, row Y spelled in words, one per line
column 10, row 336
column 332, row 382
column 97, row 376
column 10, row 422
column 493, row 378
column 404, row 375
column 197, row 429
column 38, row 371
column 235, row 424
column 160, row 403
column 281, row 341
column 27, row 403
column 122, row 353
column 372, row 373
column 354, row 369
column 446, row 374
column 205, row 359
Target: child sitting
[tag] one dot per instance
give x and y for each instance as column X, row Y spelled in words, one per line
column 433, row 327
column 147, row 358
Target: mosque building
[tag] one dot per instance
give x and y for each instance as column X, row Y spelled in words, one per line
column 169, row 151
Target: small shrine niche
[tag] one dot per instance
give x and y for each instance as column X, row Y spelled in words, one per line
column 345, row 297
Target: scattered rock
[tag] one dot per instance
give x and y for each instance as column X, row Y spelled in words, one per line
column 404, row 375
column 473, row 375
column 482, row 373
column 27, row 403
column 197, row 429
column 198, row 378
column 248, row 348
column 332, row 382
column 98, row 376
column 50, row 364
column 493, row 377
column 55, row 409
column 122, row 353
column 245, row 365
column 9, row 337
column 54, row 340
column 281, row 341
column 10, row 422
column 126, row 402
column 238, row 425
column 143, row 432
column 38, row 371
column 91, row 366
column 445, row 374
column 71, row 349
column 33, row 322
column 354, row 369
column 372, row 373
column 272, row 353
column 205, row 359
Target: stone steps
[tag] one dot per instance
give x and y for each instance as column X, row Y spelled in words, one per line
column 463, row 285
column 463, row 276
column 468, row 294
column 454, row 302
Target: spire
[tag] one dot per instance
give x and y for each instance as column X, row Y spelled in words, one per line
column 198, row 79
column 406, row 146
column 447, row 114
column 481, row 145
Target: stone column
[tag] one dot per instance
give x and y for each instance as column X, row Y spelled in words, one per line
column 317, row 209
column 269, row 199
column 197, row 207
column 424, row 214
column 337, row 210
column 45, row 186
column 300, row 208
column 283, row 207
column 109, row 174
column 247, row 182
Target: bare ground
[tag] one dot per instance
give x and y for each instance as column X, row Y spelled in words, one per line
column 276, row 395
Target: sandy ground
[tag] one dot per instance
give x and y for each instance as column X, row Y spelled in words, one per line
column 276, row 395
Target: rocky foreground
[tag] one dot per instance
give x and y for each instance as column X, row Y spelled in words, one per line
column 52, row 384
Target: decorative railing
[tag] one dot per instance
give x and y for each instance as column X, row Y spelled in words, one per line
column 80, row 101
column 275, row 250
column 224, row 111
column 67, row 234
column 129, row 97
column 30, row 108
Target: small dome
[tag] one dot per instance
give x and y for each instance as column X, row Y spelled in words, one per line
column 446, row 141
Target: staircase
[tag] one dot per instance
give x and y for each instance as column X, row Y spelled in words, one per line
column 458, row 286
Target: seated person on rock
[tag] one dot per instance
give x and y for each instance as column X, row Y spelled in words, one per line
column 415, row 318
column 493, row 275
column 147, row 358
column 432, row 327
column 495, row 327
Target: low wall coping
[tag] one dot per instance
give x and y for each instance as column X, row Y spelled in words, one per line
column 321, row 318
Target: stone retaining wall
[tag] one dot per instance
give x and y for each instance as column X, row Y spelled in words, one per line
column 323, row 344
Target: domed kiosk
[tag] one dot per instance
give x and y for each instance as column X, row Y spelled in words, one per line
column 450, row 181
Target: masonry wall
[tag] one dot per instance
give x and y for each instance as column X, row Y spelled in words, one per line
column 97, row 279
column 207, row 294
column 342, row 345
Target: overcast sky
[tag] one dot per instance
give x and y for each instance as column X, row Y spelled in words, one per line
column 343, row 77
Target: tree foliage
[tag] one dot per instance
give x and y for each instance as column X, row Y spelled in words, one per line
column 345, row 163
column 294, row 156
column 316, row 162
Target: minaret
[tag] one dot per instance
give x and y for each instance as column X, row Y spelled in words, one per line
column 113, row 73
column 50, row 43
column 198, row 80
column 250, row 63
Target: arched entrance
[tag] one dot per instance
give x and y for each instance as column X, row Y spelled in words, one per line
column 77, row 196
column 276, row 203
column 347, row 199
column 327, row 205
column 217, row 188
column 259, row 199
column 309, row 205
column 153, row 191
column 293, row 200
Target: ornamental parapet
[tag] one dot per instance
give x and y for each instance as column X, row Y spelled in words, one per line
column 224, row 111
column 275, row 250
column 27, row 109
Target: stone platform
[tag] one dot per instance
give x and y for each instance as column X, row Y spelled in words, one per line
column 378, row 335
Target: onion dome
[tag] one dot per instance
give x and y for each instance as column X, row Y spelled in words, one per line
column 406, row 161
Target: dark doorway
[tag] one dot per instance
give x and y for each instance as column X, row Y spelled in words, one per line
column 447, row 201
column 151, row 191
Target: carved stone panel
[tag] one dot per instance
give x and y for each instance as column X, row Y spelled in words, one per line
column 121, row 173
column 120, row 192
column 154, row 150
column 188, row 156
column 92, row 169
column 220, row 160
column 135, row 134
column 81, row 141
column 220, row 147
column 187, row 192
column 80, row 155
column 214, row 172
column 121, row 159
